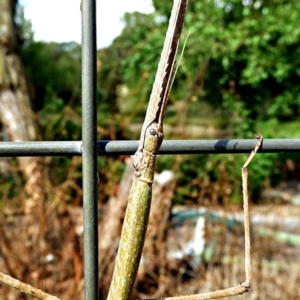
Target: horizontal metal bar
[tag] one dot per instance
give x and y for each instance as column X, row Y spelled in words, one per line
column 40, row 148
column 66, row 148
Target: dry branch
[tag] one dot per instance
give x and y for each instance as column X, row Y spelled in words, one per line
column 25, row 288
column 245, row 286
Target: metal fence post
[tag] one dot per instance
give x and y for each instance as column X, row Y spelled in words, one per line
column 89, row 149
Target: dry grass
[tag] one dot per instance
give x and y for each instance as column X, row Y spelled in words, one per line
column 46, row 251
column 276, row 267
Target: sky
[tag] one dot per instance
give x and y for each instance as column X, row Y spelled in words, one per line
column 59, row 20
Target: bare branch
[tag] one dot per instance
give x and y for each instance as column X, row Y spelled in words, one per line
column 245, row 286
column 25, row 288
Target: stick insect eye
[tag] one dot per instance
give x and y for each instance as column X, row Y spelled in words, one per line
column 152, row 131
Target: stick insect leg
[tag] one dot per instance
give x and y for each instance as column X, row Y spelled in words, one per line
column 248, row 263
column 245, row 286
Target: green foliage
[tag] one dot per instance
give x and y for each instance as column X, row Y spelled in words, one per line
column 128, row 66
column 215, row 179
column 241, row 60
column 251, row 49
column 241, row 57
column 54, row 71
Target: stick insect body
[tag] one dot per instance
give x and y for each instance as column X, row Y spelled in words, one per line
column 138, row 208
column 137, row 212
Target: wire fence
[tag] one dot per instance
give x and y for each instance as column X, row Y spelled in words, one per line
column 105, row 147
column 89, row 148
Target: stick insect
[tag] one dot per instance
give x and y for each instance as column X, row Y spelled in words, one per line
column 138, row 208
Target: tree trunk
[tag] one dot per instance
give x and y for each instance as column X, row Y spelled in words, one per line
column 40, row 231
column 17, row 117
column 18, row 123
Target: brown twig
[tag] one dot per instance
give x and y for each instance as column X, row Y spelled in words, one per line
column 25, row 288
column 248, row 263
column 245, row 286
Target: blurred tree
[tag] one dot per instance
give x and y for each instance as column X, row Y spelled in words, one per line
column 241, row 58
column 17, row 117
column 54, row 72
column 19, row 123
column 240, row 66
column 248, row 51
column 37, row 225
column 54, row 69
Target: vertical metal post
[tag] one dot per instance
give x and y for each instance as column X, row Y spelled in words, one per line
column 89, row 149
